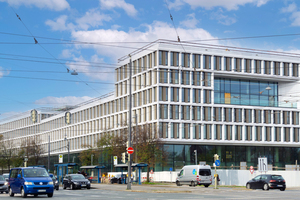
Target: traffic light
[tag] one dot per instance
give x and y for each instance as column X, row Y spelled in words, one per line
column 124, row 157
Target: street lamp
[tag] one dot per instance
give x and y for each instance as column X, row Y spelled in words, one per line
column 92, row 159
column 68, row 146
column 195, row 151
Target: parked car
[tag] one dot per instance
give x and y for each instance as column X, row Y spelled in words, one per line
column 6, row 176
column 266, row 182
column 3, row 184
column 118, row 179
column 55, row 181
column 76, row 181
column 30, row 181
column 193, row 175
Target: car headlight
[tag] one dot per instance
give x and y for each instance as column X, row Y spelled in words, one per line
column 6, row 183
column 88, row 182
column 28, row 183
column 75, row 183
column 56, row 182
column 50, row 183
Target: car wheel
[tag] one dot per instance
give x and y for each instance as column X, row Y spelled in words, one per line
column 50, row 194
column 23, row 194
column 6, row 192
column 1, row 192
column 72, row 187
column 57, row 188
column 88, row 187
column 35, row 195
column 193, row 184
column 64, row 187
column 282, row 189
column 265, row 187
column 10, row 192
column 178, row 183
column 206, row 185
column 248, row 186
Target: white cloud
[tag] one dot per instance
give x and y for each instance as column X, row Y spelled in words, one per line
column 191, row 22
column 103, row 73
column 157, row 30
column 209, row 4
column 111, row 4
column 69, row 100
column 60, row 24
column 222, row 19
column 92, row 18
column 295, row 14
column 3, row 72
column 291, row 8
column 57, row 5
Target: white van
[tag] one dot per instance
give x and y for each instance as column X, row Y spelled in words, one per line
column 193, row 175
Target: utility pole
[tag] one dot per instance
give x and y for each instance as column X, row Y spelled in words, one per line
column 136, row 134
column 129, row 132
column 49, row 154
column 195, row 151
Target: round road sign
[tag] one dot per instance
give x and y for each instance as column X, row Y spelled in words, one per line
column 251, row 167
column 251, row 171
column 130, row 150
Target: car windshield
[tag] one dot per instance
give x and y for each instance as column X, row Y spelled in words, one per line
column 35, row 172
column 277, row 177
column 205, row 172
column 5, row 175
column 2, row 178
column 77, row 177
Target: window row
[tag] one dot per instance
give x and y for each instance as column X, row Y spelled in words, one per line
column 227, row 132
column 229, row 64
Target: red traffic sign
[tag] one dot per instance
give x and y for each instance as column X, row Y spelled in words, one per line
column 130, row 150
column 251, row 167
column 251, row 171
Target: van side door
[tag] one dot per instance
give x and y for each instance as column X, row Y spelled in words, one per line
column 12, row 179
column 19, row 181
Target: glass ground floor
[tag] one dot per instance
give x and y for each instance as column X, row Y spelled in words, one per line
column 230, row 156
column 179, row 155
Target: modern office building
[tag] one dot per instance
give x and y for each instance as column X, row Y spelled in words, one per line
column 236, row 102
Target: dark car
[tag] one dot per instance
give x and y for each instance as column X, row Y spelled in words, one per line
column 76, row 181
column 266, row 182
column 118, row 179
column 55, row 182
column 3, row 184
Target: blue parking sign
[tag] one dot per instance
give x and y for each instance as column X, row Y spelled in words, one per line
column 217, row 162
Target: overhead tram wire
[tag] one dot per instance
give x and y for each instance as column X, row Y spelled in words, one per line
column 36, row 42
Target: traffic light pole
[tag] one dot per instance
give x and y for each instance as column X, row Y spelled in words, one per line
column 129, row 132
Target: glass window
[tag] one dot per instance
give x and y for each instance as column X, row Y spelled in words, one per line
column 174, row 76
column 185, row 78
column 217, row 63
column 196, row 78
column 185, row 59
column 206, row 62
column 163, row 58
column 174, row 59
column 196, row 61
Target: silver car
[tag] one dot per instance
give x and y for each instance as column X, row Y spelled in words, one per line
column 3, row 185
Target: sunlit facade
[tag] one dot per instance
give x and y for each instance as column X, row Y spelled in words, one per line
column 239, row 104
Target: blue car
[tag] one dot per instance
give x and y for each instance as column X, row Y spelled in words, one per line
column 30, row 181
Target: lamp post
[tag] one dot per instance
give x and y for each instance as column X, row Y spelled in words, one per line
column 68, row 146
column 195, row 151
column 92, row 156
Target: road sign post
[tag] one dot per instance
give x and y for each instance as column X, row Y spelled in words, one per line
column 251, row 169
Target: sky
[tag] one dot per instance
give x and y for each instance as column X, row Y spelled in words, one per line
column 36, row 51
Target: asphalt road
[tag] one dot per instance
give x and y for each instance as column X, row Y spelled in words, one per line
column 164, row 192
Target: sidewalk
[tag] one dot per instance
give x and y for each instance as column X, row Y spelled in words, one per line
column 163, row 188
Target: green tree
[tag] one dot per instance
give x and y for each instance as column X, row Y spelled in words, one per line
column 85, row 156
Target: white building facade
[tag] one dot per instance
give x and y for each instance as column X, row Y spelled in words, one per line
column 238, row 103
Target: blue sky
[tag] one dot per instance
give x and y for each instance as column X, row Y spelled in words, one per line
column 28, row 70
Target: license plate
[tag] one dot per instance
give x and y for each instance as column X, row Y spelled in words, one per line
column 83, row 185
column 279, row 185
column 41, row 190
